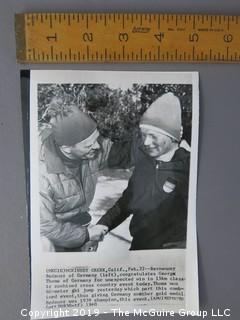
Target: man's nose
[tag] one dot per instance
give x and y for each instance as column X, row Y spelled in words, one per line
column 147, row 141
column 96, row 146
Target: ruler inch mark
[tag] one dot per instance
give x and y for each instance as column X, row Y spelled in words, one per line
column 69, row 20
column 50, row 21
column 123, row 21
column 34, row 53
column 88, row 52
column 87, row 21
column 52, row 52
column 194, row 22
column 32, row 20
column 132, row 17
column 193, row 52
column 123, row 52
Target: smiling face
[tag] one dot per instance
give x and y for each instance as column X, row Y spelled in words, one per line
column 156, row 143
column 86, row 149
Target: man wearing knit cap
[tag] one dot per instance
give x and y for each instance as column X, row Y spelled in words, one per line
column 71, row 154
column 157, row 193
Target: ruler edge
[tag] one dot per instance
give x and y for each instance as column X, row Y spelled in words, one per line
column 21, row 41
column 20, row 36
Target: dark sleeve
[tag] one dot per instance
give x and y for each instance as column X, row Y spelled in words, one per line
column 120, row 211
column 183, row 183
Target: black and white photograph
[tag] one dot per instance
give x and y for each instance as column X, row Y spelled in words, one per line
column 113, row 161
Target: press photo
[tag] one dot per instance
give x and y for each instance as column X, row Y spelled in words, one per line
column 113, row 173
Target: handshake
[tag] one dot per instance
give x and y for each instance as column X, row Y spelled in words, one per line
column 96, row 234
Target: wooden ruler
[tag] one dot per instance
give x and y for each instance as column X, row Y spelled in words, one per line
column 126, row 37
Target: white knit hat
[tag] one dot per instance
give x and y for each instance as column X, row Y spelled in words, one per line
column 165, row 114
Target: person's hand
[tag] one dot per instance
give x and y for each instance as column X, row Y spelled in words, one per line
column 97, row 232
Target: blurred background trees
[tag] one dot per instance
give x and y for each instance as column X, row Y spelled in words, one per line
column 116, row 111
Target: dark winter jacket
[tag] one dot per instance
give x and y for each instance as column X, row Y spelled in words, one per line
column 157, row 196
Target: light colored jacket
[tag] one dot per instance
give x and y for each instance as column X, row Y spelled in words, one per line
column 66, row 192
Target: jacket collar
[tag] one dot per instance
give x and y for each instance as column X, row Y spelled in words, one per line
column 55, row 161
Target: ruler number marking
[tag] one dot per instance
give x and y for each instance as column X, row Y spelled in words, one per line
column 194, row 37
column 123, row 37
column 159, row 36
column 52, row 37
column 228, row 37
column 88, row 37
